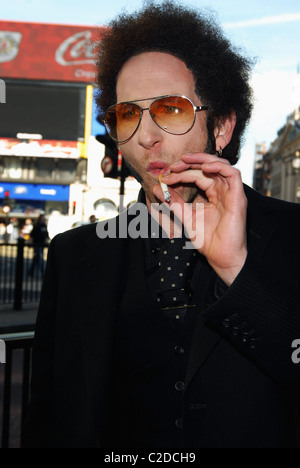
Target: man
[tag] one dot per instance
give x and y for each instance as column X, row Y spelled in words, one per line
column 39, row 236
column 145, row 343
column 92, row 219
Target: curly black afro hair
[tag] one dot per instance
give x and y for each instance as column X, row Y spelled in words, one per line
column 221, row 73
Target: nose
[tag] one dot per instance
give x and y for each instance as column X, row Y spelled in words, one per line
column 149, row 134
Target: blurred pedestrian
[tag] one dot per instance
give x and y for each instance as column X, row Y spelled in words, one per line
column 39, row 236
column 2, row 231
column 27, row 229
column 93, row 219
column 13, row 230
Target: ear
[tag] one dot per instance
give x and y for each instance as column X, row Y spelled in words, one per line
column 224, row 130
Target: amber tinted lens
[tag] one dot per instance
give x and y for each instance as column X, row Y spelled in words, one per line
column 173, row 114
column 122, row 120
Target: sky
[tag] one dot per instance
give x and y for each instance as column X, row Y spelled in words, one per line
column 266, row 30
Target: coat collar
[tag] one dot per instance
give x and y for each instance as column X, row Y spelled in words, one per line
column 261, row 222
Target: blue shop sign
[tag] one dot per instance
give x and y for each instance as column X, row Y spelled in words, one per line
column 35, row 192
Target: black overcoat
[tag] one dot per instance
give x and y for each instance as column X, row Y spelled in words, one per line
column 259, row 317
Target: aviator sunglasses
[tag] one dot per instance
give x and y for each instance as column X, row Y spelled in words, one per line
column 173, row 114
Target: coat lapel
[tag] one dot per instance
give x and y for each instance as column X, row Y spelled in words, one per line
column 260, row 229
column 203, row 344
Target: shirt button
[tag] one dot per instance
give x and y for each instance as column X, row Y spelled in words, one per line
column 253, row 343
column 179, row 423
column 180, row 386
column 227, row 323
column 179, row 349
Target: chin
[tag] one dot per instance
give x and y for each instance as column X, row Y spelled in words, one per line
column 150, row 196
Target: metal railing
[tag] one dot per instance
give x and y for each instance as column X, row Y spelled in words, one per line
column 14, row 386
column 21, row 273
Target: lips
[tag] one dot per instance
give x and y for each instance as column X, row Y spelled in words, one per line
column 158, row 167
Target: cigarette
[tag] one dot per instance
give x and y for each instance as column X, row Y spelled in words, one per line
column 165, row 189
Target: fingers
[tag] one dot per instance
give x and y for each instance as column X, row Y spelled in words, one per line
column 209, row 173
column 190, row 177
column 227, row 172
column 195, row 161
column 208, row 168
column 201, row 158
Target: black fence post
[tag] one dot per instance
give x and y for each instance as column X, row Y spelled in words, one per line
column 6, row 399
column 19, row 275
column 15, row 402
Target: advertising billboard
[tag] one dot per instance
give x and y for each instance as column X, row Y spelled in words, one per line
column 51, row 52
column 55, row 112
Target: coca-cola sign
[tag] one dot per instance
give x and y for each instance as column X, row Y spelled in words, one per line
column 76, row 50
column 48, row 51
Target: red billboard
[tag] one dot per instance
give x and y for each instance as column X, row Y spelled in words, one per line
column 51, row 52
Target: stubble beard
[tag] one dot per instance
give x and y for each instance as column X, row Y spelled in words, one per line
column 188, row 192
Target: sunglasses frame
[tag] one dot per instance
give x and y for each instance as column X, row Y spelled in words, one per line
column 141, row 109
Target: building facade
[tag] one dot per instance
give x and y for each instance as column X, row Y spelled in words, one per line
column 277, row 171
column 284, row 160
column 261, row 178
